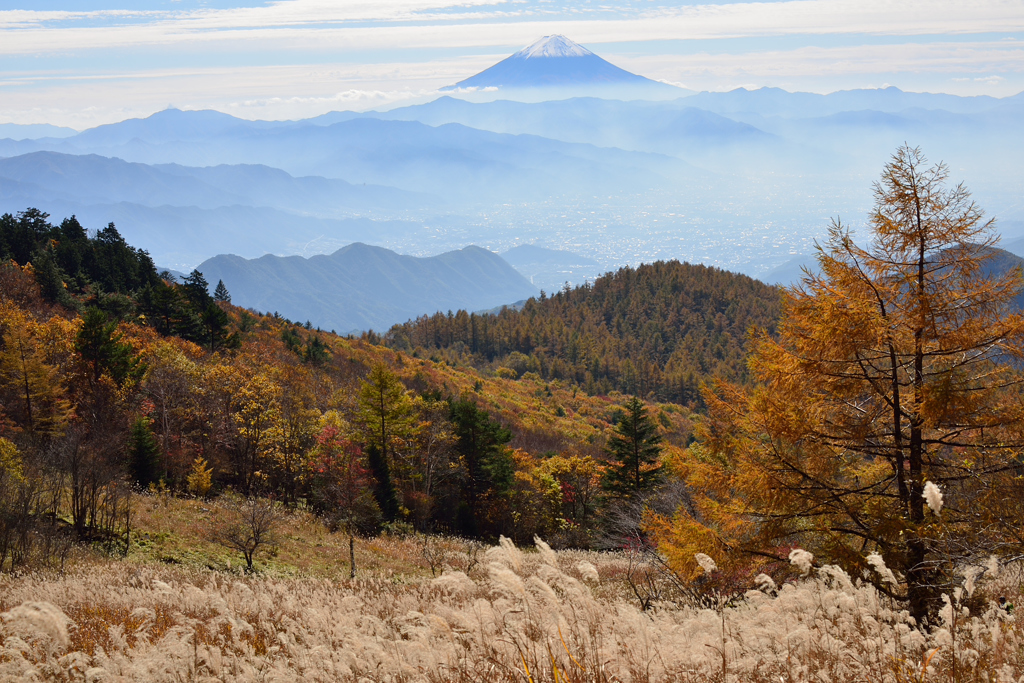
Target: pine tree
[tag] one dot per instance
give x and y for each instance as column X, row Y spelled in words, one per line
column 216, row 322
column 316, row 351
column 197, row 289
column 481, row 443
column 221, row 293
column 143, row 453
column 384, row 487
column 100, row 346
column 634, row 448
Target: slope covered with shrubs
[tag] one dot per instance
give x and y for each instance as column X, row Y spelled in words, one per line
column 98, row 401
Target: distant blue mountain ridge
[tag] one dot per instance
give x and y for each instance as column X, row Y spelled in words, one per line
column 661, row 177
column 363, row 287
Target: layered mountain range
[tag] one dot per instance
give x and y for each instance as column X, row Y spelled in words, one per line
column 744, row 180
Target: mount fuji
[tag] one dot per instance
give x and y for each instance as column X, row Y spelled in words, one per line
column 556, row 65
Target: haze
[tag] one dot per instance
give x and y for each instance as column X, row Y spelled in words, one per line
column 346, row 127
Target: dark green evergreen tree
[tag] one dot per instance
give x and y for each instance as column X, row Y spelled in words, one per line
column 384, row 488
column 143, row 453
column 316, row 352
column 49, row 277
column 117, row 267
column 291, row 340
column 100, row 346
column 21, row 236
column 197, row 290
column 215, row 323
column 200, row 319
column 634, row 448
column 73, row 253
column 221, row 293
column 489, row 469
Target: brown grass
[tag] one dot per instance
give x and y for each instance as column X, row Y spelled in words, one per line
column 519, row 616
column 500, row 614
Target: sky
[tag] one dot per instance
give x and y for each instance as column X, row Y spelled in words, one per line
column 81, row 63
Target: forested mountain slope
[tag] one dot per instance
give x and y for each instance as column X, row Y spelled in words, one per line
column 112, row 376
column 660, row 328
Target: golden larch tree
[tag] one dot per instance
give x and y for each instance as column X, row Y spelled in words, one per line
column 894, row 365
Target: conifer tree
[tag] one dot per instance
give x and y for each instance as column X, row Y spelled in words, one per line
column 216, row 322
column 100, row 346
column 316, row 352
column 143, row 453
column 200, row 478
column 489, row 468
column 384, row 486
column 197, row 289
column 634, row 449
column 384, row 418
column 221, row 293
column 897, row 365
column 37, row 395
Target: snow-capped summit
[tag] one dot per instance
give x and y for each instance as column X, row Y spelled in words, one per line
column 552, row 46
column 556, row 66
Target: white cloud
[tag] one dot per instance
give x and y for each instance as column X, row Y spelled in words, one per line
column 19, row 18
column 347, row 38
column 274, row 14
column 938, row 57
column 326, row 24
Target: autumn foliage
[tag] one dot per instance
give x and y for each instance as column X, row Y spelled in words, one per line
column 98, row 401
column 856, row 478
column 895, row 365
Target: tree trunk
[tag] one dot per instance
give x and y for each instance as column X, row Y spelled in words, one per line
column 352, row 557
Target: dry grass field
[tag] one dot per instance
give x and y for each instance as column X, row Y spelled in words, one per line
column 179, row 608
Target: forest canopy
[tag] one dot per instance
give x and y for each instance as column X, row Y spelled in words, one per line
column 658, row 330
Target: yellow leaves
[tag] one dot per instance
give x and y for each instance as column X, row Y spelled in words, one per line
column 10, row 463
column 583, row 467
column 168, row 355
column 681, row 538
column 256, row 404
column 384, row 408
column 200, row 478
column 35, row 388
column 333, row 418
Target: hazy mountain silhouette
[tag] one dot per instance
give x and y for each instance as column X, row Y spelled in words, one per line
column 555, row 62
column 361, row 287
column 34, row 131
column 660, row 127
column 779, row 102
column 452, row 161
column 714, row 164
column 550, row 269
column 101, row 179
